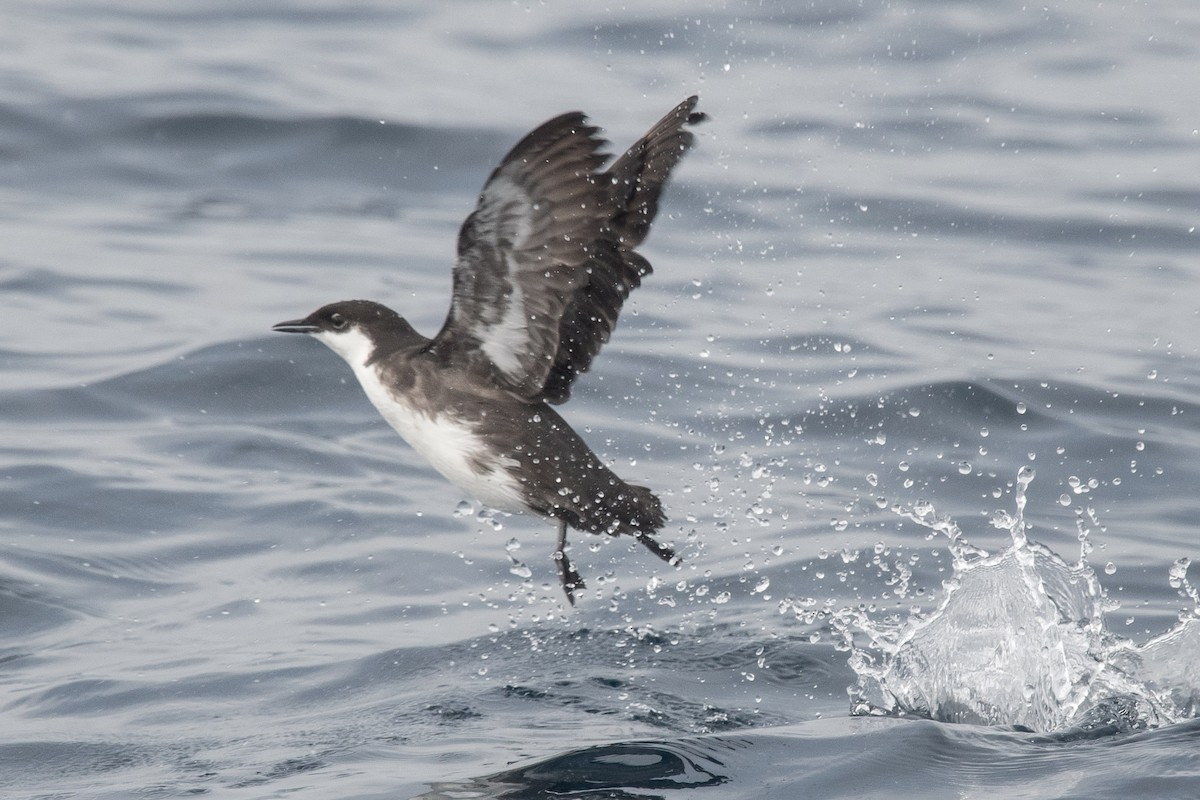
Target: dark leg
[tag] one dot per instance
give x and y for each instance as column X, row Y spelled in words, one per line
column 571, row 580
column 660, row 550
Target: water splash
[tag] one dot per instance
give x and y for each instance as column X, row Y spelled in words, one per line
column 1019, row 639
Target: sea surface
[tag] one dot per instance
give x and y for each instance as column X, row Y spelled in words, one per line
column 917, row 377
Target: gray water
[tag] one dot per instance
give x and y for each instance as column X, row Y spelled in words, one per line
column 918, row 247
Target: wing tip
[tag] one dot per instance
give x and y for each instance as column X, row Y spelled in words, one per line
column 688, row 109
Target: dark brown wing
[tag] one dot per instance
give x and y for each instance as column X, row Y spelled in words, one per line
column 522, row 254
column 546, row 260
column 635, row 182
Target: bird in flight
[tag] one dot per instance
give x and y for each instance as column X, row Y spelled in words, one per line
column 545, row 262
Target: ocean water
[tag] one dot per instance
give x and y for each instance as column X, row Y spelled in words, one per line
column 921, row 252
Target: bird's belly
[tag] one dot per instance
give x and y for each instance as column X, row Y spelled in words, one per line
column 453, row 448
column 456, row 452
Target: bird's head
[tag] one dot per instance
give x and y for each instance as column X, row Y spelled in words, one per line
column 353, row 329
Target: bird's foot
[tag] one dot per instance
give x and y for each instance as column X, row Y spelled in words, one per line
column 571, row 579
column 661, row 550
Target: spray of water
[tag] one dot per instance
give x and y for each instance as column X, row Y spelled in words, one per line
column 1019, row 639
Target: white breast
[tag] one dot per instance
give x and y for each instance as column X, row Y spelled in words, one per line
column 449, row 445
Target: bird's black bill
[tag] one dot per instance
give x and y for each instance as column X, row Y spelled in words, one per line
column 295, row 326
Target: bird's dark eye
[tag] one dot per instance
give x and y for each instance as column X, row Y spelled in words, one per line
column 338, row 322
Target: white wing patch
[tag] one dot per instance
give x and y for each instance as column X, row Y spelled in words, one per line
column 507, row 197
column 509, row 220
column 508, row 338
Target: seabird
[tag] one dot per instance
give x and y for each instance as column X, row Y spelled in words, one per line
column 545, row 262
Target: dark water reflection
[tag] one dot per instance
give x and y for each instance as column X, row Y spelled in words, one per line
column 620, row 771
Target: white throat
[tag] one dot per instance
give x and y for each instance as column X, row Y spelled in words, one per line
column 353, row 345
column 447, row 443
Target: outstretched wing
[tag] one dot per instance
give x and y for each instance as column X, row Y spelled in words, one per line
column 634, row 182
column 521, row 254
column 546, row 260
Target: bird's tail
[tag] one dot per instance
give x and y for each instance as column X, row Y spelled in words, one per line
column 632, row 510
column 648, row 518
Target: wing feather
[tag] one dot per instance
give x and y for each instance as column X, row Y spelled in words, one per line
column 546, row 260
column 635, row 182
